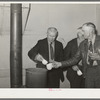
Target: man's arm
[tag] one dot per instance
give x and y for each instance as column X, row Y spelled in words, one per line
column 34, row 52
column 69, row 51
column 73, row 61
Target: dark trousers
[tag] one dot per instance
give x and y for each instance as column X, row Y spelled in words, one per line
column 53, row 80
column 93, row 77
column 75, row 80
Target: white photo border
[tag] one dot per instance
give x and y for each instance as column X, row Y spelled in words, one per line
column 50, row 93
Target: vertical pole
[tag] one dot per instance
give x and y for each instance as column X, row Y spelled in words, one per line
column 16, row 45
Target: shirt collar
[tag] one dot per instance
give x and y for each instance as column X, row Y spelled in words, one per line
column 50, row 42
column 93, row 40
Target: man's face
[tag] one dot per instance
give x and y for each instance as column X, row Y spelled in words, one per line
column 80, row 35
column 88, row 32
column 51, row 36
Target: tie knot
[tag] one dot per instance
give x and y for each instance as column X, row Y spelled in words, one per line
column 51, row 43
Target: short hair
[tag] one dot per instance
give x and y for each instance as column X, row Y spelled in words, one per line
column 53, row 29
column 91, row 25
column 79, row 28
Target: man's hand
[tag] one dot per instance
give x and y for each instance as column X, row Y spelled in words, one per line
column 75, row 68
column 94, row 56
column 39, row 57
column 56, row 64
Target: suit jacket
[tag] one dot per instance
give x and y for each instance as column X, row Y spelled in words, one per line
column 82, row 54
column 42, row 48
column 69, row 51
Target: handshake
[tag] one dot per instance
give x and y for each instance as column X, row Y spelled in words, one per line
column 50, row 65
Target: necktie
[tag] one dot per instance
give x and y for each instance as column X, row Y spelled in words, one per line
column 51, row 51
column 91, row 49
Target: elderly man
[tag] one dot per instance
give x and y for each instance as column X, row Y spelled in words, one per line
column 89, row 52
column 50, row 49
column 70, row 50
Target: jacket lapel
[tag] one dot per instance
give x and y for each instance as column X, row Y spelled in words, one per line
column 46, row 49
column 76, row 44
column 85, row 49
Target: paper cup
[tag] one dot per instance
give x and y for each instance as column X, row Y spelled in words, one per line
column 44, row 62
column 79, row 73
column 49, row 66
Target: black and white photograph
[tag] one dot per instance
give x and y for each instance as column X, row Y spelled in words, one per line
column 49, row 49
column 50, row 45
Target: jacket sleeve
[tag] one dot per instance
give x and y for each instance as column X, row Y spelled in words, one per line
column 72, row 61
column 34, row 51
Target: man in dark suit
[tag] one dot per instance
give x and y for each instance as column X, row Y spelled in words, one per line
column 70, row 50
column 89, row 52
column 50, row 49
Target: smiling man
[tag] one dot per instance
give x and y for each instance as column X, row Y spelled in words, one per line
column 89, row 53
